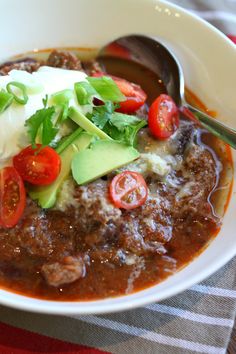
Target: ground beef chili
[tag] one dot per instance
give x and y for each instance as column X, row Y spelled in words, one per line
column 64, row 60
column 85, row 247
column 27, row 64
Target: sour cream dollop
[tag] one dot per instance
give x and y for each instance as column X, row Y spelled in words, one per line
column 46, row 81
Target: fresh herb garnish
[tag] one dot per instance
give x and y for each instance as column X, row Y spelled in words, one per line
column 127, row 134
column 120, row 120
column 102, row 114
column 42, row 121
column 118, row 126
column 126, row 127
column 5, row 100
column 18, row 90
column 130, row 132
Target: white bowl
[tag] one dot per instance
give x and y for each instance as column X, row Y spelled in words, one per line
column 208, row 58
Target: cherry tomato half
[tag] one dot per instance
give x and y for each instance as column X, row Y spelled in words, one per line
column 163, row 117
column 39, row 166
column 135, row 96
column 12, row 197
column 128, row 190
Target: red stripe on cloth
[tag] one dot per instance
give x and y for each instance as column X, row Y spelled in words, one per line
column 233, row 38
column 19, row 341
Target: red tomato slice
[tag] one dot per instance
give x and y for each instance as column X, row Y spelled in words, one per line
column 39, row 166
column 135, row 96
column 12, row 197
column 128, row 190
column 163, row 117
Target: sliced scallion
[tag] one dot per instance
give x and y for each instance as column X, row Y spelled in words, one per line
column 62, row 100
column 84, row 92
column 22, row 97
column 68, row 140
column 63, row 115
column 62, row 97
column 107, row 88
column 5, row 100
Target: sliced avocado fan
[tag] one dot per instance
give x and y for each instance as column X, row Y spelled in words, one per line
column 101, row 158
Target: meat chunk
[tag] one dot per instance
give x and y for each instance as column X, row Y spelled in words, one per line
column 91, row 67
column 147, row 228
column 26, row 64
column 183, row 137
column 40, row 233
column 201, row 164
column 64, row 60
column 94, row 204
column 67, row 271
column 192, row 201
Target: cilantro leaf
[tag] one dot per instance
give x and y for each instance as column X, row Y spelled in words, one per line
column 48, row 131
column 100, row 121
column 118, row 126
column 128, row 134
column 120, row 120
column 41, row 122
column 102, row 114
column 126, row 127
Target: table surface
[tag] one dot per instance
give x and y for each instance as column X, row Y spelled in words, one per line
column 232, row 344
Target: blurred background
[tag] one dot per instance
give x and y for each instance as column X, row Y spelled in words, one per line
column 221, row 13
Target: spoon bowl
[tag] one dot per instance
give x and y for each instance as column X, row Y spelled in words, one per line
column 158, row 58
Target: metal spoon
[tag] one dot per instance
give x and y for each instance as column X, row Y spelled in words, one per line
column 155, row 56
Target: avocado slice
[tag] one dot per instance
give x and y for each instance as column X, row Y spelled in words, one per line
column 103, row 157
column 46, row 195
column 80, row 119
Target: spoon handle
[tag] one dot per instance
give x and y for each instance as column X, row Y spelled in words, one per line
column 217, row 128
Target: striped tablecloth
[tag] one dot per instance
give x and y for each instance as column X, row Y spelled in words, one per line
column 200, row 320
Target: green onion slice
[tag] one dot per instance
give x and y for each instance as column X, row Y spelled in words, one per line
column 62, row 97
column 107, row 88
column 68, row 140
column 5, row 100
column 84, row 92
column 63, row 114
column 22, row 98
